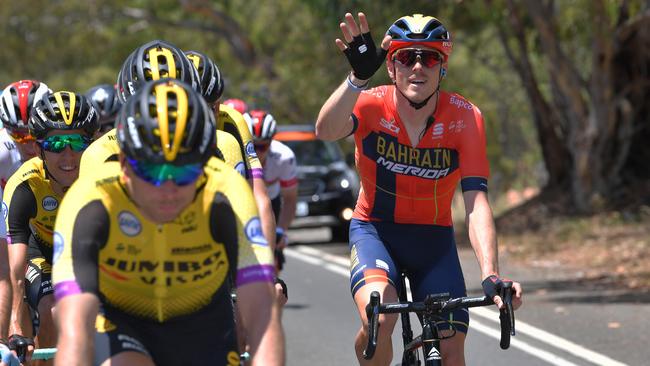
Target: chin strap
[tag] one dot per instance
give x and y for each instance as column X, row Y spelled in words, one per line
column 418, row 105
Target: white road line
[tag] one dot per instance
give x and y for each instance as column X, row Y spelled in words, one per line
column 539, row 353
column 340, row 266
column 551, row 339
column 345, row 262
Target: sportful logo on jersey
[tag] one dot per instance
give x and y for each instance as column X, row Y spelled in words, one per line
column 438, row 130
column 50, row 203
column 389, row 125
column 250, row 150
column 58, row 246
column 253, row 231
column 129, row 223
column 5, row 210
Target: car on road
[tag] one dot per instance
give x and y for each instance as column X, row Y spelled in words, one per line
column 327, row 185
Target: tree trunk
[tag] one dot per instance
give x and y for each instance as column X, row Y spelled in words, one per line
column 590, row 123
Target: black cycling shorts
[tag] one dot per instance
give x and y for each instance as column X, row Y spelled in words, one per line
column 204, row 338
column 38, row 281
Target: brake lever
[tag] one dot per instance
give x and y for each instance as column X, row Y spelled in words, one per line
column 372, row 314
column 506, row 315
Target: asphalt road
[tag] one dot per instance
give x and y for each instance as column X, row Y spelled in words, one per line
column 564, row 321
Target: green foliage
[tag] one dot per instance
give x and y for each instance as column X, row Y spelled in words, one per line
column 75, row 44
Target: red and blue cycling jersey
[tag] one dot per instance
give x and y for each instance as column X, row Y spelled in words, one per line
column 409, row 184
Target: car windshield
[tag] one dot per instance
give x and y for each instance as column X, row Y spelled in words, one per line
column 315, row 152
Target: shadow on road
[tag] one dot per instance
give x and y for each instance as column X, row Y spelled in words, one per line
column 291, row 306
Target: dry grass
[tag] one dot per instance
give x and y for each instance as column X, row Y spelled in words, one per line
column 613, row 245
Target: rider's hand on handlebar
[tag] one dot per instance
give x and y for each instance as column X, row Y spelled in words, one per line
column 23, row 347
column 492, row 286
column 359, row 47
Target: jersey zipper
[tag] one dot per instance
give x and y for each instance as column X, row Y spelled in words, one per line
column 160, row 289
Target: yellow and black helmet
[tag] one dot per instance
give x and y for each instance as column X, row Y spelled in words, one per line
column 209, row 75
column 167, row 121
column 152, row 61
column 62, row 110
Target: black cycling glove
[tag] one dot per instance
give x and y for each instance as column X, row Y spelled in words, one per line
column 492, row 286
column 364, row 57
column 20, row 344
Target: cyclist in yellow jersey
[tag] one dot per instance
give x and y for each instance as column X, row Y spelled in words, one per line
column 232, row 121
column 152, row 61
column 63, row 124
column 150, row 245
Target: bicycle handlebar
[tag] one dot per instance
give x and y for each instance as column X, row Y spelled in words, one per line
column 437, row 304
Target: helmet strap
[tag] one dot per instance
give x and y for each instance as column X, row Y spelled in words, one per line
column 419, row 105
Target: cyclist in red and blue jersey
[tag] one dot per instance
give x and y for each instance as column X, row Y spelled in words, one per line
column 414, row 143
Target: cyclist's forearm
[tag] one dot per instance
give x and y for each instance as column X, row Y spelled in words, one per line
column 482, row 235
column 334, row 120
column 288, row 211
column 6, row 293
column 265, row 210
column 17, row 265
column 271, row 347
column 267, row 343
column 260, row 315
column 76, row 324
column 6, row 298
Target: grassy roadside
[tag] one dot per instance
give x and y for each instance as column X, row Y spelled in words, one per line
column 613, row 246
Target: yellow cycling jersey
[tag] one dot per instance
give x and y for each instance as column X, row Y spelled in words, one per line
column 106, row 149
column 231, row 121
column 103, row 245
column 30, row 207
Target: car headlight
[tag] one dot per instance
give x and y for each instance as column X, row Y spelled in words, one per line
column 338, row 183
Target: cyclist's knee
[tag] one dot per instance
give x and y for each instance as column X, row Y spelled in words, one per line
column 453, row 350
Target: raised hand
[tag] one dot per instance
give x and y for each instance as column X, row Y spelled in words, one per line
column 359, row 47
